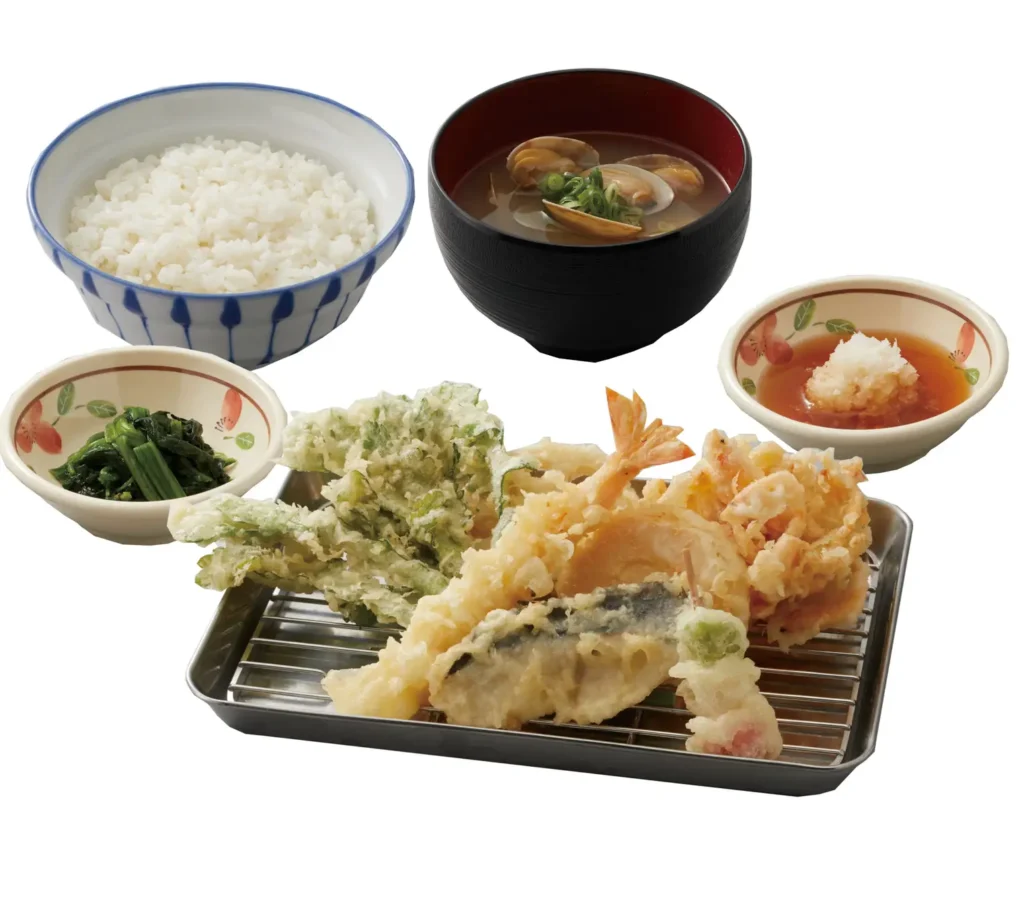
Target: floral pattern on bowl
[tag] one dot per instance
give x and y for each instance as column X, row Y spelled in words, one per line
column 53, row 414
column 63, row 417
column 843, row 312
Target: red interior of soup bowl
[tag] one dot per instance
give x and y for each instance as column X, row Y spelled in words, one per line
column 585, row 100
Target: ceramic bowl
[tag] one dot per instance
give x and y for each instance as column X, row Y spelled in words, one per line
column 54, row 414
column 589, row 302
column 975, row 343
column 251, row 329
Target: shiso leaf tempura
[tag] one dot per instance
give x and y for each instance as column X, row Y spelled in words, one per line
column 417, row 482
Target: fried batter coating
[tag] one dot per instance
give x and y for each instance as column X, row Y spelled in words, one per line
column 799, row 520
column 719, row 685
column 577, row 659
column 648, row 540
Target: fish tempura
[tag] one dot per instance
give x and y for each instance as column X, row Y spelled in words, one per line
column 581, row 659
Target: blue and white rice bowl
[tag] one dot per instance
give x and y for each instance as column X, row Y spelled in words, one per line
column 254, row 328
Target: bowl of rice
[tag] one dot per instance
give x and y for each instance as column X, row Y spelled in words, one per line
column 236, row 219
column 835, row 347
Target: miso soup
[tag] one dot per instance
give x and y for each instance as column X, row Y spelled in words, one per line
column 591, row 188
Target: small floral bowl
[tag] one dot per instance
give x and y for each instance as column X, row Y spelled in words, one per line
column 56, row 412
column 763, row 337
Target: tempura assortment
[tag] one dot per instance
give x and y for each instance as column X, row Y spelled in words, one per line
column 540, row 583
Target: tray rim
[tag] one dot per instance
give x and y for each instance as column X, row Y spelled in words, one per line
column 339, row 720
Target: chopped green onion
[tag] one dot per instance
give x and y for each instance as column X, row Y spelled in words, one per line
column 590, row 195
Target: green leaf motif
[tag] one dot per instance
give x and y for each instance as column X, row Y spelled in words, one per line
column 101, row 408
column 66, row 399
column 749, row 386
column 804, row 314
column 245, row 440
column 840, row 326
column 972, row 376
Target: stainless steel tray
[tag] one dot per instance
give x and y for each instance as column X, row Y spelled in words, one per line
column 260, row 665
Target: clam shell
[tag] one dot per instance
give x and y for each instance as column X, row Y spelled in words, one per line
column 659, row 196
column 580, row 222
column 549, row 154
column 684, row 178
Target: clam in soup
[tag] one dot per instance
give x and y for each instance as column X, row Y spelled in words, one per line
column 591, row 188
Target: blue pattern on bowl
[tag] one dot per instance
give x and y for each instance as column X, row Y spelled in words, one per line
column 371, row 263
column 332, row 292
column 179, row 314
column 251, row 329
column 283, row 309
column 131, row 303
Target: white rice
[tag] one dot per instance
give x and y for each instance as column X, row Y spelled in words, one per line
column 219, row 216
column 863, row 375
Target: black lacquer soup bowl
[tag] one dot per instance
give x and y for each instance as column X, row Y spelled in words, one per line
column 589, row 302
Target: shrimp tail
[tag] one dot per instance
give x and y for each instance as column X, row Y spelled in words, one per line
column 637, row 444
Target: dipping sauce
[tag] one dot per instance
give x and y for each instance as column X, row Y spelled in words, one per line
column 490, row 194
column 941, row 384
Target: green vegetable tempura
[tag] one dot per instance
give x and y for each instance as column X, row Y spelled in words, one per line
column 143, row 456
column 417, row 482
column 712, row 639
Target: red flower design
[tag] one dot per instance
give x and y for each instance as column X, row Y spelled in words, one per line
column 32, row 428
column 230, row 410
column 763, row 340
column 964, row 343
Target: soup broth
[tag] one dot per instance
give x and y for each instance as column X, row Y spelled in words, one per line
column 489, row 193
column 941, row 385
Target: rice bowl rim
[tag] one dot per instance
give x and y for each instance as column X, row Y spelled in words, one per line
column 410, row 189
column 825, row 437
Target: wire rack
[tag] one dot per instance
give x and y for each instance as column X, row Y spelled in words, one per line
column 814, row 688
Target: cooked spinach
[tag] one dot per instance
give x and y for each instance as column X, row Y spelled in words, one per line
column 143, row 456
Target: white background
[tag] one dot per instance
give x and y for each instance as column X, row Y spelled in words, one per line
column 886, row 139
